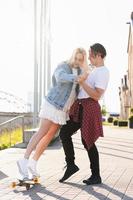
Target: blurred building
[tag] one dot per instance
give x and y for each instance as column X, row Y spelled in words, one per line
column 126, row 88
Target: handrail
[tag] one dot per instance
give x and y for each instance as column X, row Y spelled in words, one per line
column 4, row 123
column 12, row 124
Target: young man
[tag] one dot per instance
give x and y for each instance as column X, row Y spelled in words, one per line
column 85, row 114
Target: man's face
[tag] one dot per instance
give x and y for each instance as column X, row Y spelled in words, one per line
column 92, row 57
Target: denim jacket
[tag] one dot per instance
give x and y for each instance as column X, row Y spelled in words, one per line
column 62, row 82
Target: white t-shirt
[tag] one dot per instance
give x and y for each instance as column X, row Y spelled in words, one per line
column 98, row 78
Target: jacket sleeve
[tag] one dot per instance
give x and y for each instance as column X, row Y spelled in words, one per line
column 61, row 75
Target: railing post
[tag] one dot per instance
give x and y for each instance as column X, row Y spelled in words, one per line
column 23, row 127
column 0, row 137
column 10, row 134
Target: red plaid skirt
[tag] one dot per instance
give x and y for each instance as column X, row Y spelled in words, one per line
column 91, row 119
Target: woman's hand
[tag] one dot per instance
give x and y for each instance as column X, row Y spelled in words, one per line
column 84, row 65
column 82, row 77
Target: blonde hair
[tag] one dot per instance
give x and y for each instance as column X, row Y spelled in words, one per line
column 76, row 51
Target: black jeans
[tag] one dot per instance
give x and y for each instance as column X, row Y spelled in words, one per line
column 66, row 133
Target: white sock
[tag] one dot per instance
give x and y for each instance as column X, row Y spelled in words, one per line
column 25, row 160
column 33, row 162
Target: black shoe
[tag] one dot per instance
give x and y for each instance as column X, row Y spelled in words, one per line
column 71, row 169
column 93, row 180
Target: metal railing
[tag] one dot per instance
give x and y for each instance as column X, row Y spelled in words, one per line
column 12, row 131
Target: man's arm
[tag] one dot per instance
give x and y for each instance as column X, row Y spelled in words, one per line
column 93, row 93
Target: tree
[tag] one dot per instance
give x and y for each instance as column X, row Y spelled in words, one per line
column 104, row 111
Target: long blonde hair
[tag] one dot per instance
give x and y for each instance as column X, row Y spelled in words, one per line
column 76, row 51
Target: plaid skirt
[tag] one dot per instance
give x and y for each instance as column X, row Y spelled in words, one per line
column 90, row 119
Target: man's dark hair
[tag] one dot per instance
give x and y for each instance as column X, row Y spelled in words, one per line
column 98, row 49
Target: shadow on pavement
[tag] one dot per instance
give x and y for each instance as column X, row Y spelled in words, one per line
column 32, row 193
column 2, row 175
column 91, row 191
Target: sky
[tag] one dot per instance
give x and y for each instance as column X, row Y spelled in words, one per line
column 16, row 47
column 74, row 23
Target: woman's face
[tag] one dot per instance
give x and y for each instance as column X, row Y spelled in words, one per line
column 79, row 59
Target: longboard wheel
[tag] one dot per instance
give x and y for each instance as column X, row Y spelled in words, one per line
column 13, row 185
column 27, row 186
column 36, row 180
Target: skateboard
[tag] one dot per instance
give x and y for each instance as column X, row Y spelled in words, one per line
column 26, row 183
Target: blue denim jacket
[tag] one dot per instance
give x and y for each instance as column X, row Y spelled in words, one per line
column 62, row 82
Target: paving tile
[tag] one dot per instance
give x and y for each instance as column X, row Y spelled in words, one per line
column 116, row 161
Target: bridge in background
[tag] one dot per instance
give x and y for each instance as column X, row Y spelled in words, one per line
column 12, row 103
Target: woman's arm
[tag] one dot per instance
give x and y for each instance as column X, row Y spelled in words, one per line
column 61, row 75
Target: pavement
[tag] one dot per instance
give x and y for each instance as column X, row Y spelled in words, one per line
column 116, row 164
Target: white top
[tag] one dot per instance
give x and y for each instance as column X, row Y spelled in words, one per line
column 98, row 78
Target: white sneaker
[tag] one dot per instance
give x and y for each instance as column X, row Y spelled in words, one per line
column 22, row 166
column 32, row 167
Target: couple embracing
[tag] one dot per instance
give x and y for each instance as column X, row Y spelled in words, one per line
column 71, row 104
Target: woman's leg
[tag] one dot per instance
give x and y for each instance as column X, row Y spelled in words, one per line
column 42, row 145
column 23, row 163
column 43, row 129
column 44, row 142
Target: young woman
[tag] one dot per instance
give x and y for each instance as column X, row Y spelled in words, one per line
column 54, row 109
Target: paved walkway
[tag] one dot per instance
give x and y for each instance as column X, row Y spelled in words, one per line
column 116, row 156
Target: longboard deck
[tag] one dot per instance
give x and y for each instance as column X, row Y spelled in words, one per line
column 27, row 183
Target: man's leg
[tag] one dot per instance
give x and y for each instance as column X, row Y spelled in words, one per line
column 94, row 165
column 66, row 133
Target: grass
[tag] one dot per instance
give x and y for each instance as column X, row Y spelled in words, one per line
column 107, row 124
column 10, row 138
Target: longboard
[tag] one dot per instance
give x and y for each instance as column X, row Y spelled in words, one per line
column 26, row 183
